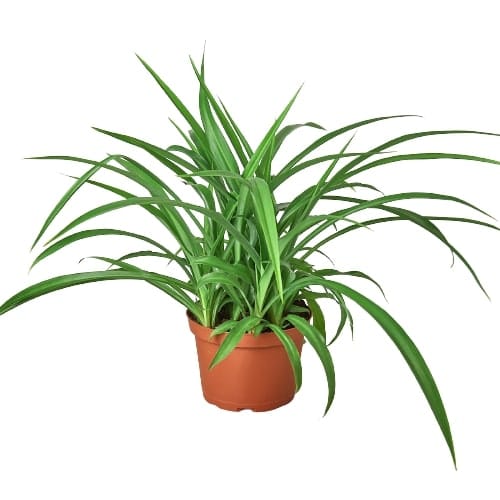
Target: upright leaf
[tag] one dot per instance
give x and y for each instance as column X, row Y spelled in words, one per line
column 266, row 143
column 266, row 218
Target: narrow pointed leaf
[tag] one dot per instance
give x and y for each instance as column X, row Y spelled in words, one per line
column 421, row 156
column 266, row 218
column 317, row 314
column 174, row 99
column 292, row 352
column 67, row 196
column 411, row 355
column 240, row 135
column 317, row 341
column 69, row 280
column 254, row 161
column 406, row 138
column 90, row 233
column 233, row 338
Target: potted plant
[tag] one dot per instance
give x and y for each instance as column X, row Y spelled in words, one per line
column 251, row 291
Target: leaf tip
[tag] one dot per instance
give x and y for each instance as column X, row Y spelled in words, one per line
column 213, row 363
column 299, row 89
column 328, row 406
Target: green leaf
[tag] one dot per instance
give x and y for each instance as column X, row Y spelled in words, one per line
column 405, row 138
column 188, row 239
column 151, row 276
column 216, row 173
column 233, row 338
column 282, row 175
column 266, row 162
column 317, row 314
column 90, row 233
column 175, row 100
column 357, row 274
column 348, row 229
column 375, row 203
column 133, row 171
column 286, row 131
column 426, row 224
column 168, row 255
column 359, row 206
column 189, row 142
column 304, row 203
column 266, row 218
column 238, row 270
column 226, row 123
column 421, row 156
column 231, row 285
column 411, row 355
column 261, row 150
column 65, row 281
column 219, row 149
column 160, row 215
column 292, row 352
column 241, row 137
column 435, row 231
column 67, row 196
column 316, row 339
column 344, row 315
column 219, row 278
column 168, row 159
column 223, row 327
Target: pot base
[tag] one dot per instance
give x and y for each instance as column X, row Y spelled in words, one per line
column 262, row 407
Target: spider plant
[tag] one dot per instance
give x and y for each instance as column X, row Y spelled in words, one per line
column 246, row 256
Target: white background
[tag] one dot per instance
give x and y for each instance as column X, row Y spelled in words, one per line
column 99, row 390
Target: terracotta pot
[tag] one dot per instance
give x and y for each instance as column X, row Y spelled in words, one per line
column 257, row 375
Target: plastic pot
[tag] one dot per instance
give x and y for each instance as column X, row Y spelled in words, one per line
column 257, row 375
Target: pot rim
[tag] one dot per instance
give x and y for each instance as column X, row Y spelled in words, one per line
column 249, row 341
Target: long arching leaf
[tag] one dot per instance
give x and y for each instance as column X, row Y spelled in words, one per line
column 65, row 281
column 68, row 195
column 410, row 353
column 318, row 343
column 91, row 233
column 292, row 352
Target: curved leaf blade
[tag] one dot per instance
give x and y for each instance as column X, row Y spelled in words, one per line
column 175, row 100
column 317, row 341
column 410, row 353
column 69, row 280
column 292, row 352
column 67, row 196
column 233, row 338
column 90, row 233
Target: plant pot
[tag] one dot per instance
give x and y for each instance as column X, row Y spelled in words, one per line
column 257, row 375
